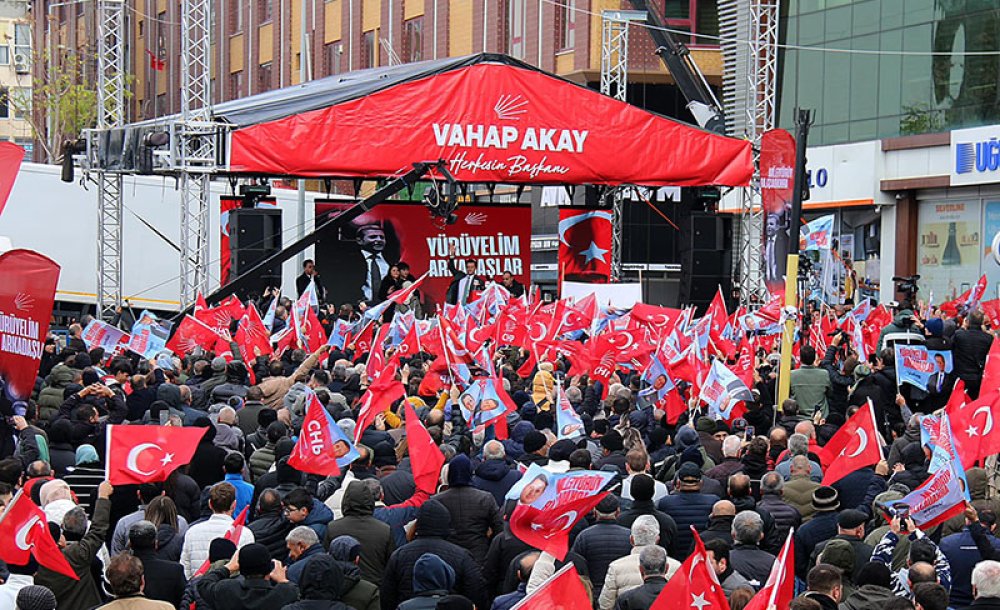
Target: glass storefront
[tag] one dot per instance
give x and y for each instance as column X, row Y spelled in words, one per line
column 851, row 269
column 868, row 96
column 957, row 244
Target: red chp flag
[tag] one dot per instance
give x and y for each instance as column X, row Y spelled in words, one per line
column 191, row 334
column 27, row 293
column 426, row 459
column 316, row 451
column 252, row 336
column 694, row 585
column 148, row 454
column 779, row 589
column 11, row 156
column 563, row 590
column 24, row 532
column 383, row 391
column 857, row 444
column 584, row 245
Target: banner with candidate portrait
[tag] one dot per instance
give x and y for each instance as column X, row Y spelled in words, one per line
column 101, row 334
column 482, row 402
column 568, row 422
column 149, row 334
column 355, row 263
column 914, row 365
column 549, row 505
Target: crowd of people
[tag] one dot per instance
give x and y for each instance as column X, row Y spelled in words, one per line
column 368, row 539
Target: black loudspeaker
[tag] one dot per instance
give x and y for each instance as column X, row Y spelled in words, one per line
column 254, row 234
column 706, row 257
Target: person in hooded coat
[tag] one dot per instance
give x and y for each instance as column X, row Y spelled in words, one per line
column 433, row 525
column 321, row 586
column 432, row 580
column 914, row 471
column 208, row 463
column 356, row 592
column 475, row 516
column 514, row 446
column 874, row 589
column 357, row 521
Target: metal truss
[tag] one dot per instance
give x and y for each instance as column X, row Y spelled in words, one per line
column 194, row 147
column 110, row 113
column 749, row 32
column 614, row 83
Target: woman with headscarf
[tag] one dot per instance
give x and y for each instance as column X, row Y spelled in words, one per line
column 85, row 476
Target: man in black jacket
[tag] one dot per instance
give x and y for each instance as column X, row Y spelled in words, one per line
column 969, row 350
column 652, row 567
column 164, row 580
column 475, row 517
column 261, row 585
column 270, row 526
column 433, row 524
column 642, row 504
column 603, row 542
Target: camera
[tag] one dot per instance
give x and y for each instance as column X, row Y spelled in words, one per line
column 907, row 285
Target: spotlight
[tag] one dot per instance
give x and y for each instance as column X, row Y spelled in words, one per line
column 70, row 148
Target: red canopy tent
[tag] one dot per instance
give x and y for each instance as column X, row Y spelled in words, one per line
column 492, row 119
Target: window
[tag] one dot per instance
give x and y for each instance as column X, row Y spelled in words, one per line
column 161, row 27
column 515, row 28
column 331, row 58
column 235, row 84
column 22, row 34
column 142, row 28
column 235, row 16
column 265, row 8
column 413, row 39
column 20, row 106
column 565, row 22
column 264, row 77
column 368, row 49
column 4, row 103
column 161, row 105
column 4, row 55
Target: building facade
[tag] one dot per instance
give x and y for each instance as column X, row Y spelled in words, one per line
column 15, row 75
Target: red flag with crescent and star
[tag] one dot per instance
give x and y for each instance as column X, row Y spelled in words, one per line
column 779, row 589
column 694, row 585
column 24, row 532
column 148, row 454
column 842, row 454
column 563, row 590
column 585, row 245
column 975, row 434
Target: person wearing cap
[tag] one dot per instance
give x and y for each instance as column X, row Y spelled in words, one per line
column 357, row 592
column 35, row 597
column 851, row 529
column 839, row 554
column 822, row 526
column 688, row 506
column 433, row 526
column 746, row 556
column 604, row 541
column 163, row 580
column 706, row 429
column 262, row 583
column 475, row 517
column 206, row 387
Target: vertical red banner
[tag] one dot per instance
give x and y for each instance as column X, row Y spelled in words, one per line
column 584, row 245
column 226, row 205
column 27, row 294
column 11, row 156
column 777, row 171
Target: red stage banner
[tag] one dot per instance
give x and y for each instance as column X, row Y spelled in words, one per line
column 777, row 171
column 493, row 122
column 27, row 293
column 497, row 237
column 226, row 205
column 584, row 245
column 11, row 156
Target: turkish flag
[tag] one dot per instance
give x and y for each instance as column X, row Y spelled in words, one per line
column 548, row 528
column 991, row 372
column 383, row 391
column 252, row 336
column 191, row 334
column 659, row 320
column 584, row 245
column 694, row 585
column 972, row 427
column 410, row 344
column 317, row 449
column 843, row 454
column 27, row 293
column 148, row 454
column 779, row 589
column 563, row 590
column 233, row 534
column 717, row 315
column 426, row 459
column 992, row 311
column 11, row 156
column 24, row 531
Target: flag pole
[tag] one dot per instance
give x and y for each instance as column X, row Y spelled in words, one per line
column 802, row 123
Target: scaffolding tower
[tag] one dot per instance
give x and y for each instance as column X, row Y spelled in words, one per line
column 749, row 31
column 614, row 83
column 110, row 113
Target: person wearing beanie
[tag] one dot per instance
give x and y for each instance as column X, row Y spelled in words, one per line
column 218, row 378
column 559, row 454
column 35, row 597
column 535, row 449
column 262, row 582
column 604, row 541
column 850, row 529
column 688, row 505
column 433, row 526
column 706, row 429
column 839, row 554
column 357, row 592
column 612, row 452
column 433, row 579
column 358, row 521
column 642, row 504
column 822, row 526
column 873, row 588
column 475, row 515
